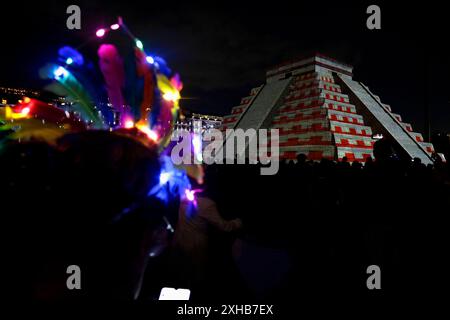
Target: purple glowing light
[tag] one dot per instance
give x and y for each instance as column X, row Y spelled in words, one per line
column 115, row 26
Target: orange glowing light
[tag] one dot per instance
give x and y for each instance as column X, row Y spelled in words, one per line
column 152, row 135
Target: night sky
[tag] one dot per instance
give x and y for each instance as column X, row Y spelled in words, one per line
column 222, row 50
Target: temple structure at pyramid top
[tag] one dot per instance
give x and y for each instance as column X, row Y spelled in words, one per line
column 322, row 112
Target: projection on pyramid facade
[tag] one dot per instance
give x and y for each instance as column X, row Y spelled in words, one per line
column 322, row 112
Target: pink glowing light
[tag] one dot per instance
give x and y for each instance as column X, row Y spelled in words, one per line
column 129, row 124
column 100, row 33
column 115, row 26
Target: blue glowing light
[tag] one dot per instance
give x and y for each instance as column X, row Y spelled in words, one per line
column 164, row 177
column 172, row 182
column 71, row 56
column 60, row 72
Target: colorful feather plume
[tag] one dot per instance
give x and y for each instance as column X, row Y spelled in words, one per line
column 144, row 70
column 67, row 85
column 113, row 72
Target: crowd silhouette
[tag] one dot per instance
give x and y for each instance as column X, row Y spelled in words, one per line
column 312, row 228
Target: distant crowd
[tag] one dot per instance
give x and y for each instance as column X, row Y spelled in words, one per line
column 313, row 227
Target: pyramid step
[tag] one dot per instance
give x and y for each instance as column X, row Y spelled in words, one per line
column 314, row 124
column 238, row 110
column 353, row 141
column 407, row 126
column 255, row 91
column 349, row 128
column 246, row 100
column 417, row 136
column 304, row 94
column 428, row 147
column 331, row 87
column 335, row 96
column 387, row 120
column 387, row 107
column 288, row 111
column 324, row 135
column 300, row 117
column 314, row 82
column 292, row 112
column 306, row 76
column 397, row 116
column 306, row 103
column 345, row 117
column 318, row 113
column 340, row 106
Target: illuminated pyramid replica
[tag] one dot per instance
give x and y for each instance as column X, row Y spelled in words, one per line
column 322, row 112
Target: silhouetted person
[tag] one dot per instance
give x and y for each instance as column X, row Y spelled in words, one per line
column 197, row 219
column 79, row 203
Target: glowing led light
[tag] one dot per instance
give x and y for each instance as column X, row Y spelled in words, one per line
column 25, row 111
column 129, row 124
column 60, row 72
column 115, row 26
column 139, row 44
column 171, row 96
column 26, row 100
column 69, row 61
column 152, row 135
column 150, row 59
column 164, row 177
column 100, row 33
column 190, row 194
